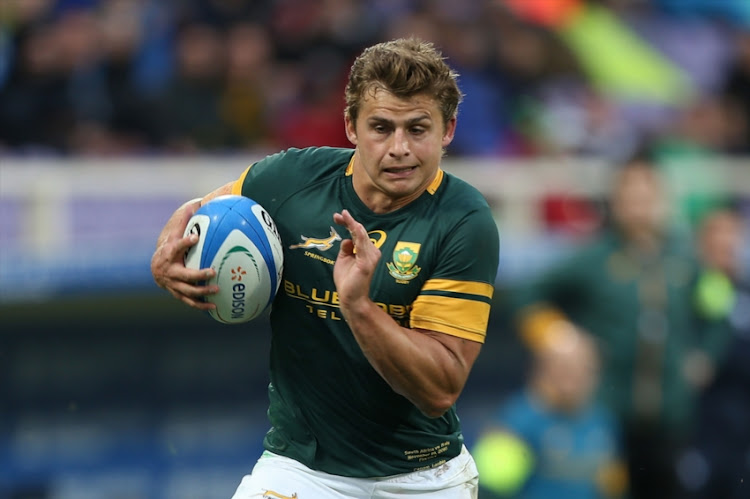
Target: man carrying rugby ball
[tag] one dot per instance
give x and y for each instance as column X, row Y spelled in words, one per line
column 376, row 328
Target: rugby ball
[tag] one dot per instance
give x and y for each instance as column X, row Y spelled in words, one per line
column 239, row 240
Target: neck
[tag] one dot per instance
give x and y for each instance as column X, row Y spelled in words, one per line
column 643, row 241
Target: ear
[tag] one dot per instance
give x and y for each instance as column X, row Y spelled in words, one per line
column 450, row 131
column 351, row 129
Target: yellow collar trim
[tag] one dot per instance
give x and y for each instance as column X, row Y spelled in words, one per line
column 432, row 188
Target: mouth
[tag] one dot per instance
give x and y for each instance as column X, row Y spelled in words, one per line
column 399, row 170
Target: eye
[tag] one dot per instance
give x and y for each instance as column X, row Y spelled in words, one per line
column 417, row 130
column 380, row 127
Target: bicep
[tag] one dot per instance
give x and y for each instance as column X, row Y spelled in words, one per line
column 456, row 298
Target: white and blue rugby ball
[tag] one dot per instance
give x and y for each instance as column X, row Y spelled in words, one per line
column 239, row 240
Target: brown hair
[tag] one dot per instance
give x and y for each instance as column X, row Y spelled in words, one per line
column 405, row 67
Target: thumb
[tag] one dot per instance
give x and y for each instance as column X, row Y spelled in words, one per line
column 346, row 247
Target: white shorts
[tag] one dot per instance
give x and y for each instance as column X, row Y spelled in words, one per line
column 278, row 477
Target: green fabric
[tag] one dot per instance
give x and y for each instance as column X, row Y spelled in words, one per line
column 638, row 309
column 329, row 409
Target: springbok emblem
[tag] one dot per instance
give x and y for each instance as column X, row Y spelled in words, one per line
column 318, row 243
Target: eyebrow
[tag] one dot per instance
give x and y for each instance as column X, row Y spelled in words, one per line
column 412, row 121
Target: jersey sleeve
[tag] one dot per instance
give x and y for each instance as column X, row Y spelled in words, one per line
column 275, row 178
column 457, row 297
column 262, row 180
column 541, row 307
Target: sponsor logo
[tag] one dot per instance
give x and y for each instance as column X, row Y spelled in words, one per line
column 321, row 244
column 324, row 303
column 377, row 237
column 403, row 268
column 238, row 300
column 270, row 494
column 238, row 273
column 239, row 295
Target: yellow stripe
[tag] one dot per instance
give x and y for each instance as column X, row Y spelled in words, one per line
column 454, row 316
column 350, row 166
column 540, row 325
column 468, row 287
column 237, row 186
column 436, row 182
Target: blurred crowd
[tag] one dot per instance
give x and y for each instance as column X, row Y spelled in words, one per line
column 585, row 77
column 639, row 346
column 645, row 369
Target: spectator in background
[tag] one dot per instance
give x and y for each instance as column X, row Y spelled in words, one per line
column 34, row 108
column 736, row 94
column 720, row 466
column 245, row 103
column 224, row 14
column 534, row 95
column 685, row 152
column 632, row 288
column 130, row 113
column 531, row 63
column 191, row 103
column 552, row 439
column 314, row 119
column 485, row 114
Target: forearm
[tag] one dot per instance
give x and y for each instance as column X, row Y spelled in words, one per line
column 415, row 363
column 175, row 226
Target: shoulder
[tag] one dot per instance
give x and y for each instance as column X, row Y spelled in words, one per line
column 464, row 214
column 287, row 171
column 459, row 193
column 310, row 160
column 461, row 204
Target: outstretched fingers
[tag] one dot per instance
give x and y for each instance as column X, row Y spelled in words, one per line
column 357, row 231
column 361, row 244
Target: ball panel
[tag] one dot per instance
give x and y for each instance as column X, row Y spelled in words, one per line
column 239, row 240
column 219, row 230
column 244, row 281
column 199, row 225
column 273, row 239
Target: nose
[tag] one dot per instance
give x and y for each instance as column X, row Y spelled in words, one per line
column 399, row 144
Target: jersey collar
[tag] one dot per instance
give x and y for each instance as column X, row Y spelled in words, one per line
column 432, row 188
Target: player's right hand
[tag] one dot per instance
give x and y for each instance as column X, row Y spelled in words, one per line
column 168, row 263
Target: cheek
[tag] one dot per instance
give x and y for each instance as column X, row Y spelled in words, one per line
column 433, row 150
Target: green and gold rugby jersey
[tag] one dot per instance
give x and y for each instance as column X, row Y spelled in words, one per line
column 329, row 408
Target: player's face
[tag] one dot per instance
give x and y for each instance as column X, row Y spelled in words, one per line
column 639, row 203
column 399, row 147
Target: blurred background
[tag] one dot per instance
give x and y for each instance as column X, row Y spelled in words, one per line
column 114, row 112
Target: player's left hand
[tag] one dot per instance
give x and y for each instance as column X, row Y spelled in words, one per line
column 355, row 263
